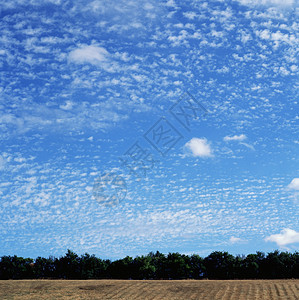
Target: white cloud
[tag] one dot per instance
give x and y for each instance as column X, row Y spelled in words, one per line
column 240, row 137
column 199, row 147
column 294, row 185
column 277, row 37
column 265, row 34
column 67, row 106
column 171, row 3
column 268, row 2
column 287, row 236
column 248, row 146
column 2, row 163
column 20, row 159
column 100, row 57
column 190, row 15
column 89, row 54
column 234, row 240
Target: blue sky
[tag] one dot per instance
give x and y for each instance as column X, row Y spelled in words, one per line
column 135, row 126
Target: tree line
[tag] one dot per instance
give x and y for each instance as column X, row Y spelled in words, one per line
column 217, row 265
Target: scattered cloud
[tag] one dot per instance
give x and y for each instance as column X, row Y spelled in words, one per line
column 294, row 185
column 89, row 54
column 2, row 163
column 286, row 237
column 67, row 106
column 234, row 240
column 268, row 2
column 199, row 147
column 248, row 146
column 190, row 15
column 240, row 137
column 83, row 90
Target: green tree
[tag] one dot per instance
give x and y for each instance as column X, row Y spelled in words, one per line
column 44, row 267
column 220, row 265
column 121, row 268
column 68, row 266
column 92, row 267
column 159, row 262
column 14, row 267
column 177, row 266
column 197, row 267
column 251, row 267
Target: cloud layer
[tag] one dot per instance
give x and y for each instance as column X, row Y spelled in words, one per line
column 281, row 3
column 240, row 137
column 294, row 185
column 89, row 54
column 82, row 81
column 199, row 147
column 286, row 237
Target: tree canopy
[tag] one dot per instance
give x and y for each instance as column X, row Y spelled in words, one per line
column 217, row 265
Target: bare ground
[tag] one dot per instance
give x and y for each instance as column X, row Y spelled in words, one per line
column 150, row 289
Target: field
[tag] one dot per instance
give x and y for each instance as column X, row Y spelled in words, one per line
column 150, row 289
